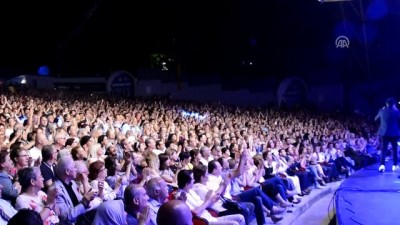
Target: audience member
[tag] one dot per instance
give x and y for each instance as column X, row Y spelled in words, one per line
column 174, row 212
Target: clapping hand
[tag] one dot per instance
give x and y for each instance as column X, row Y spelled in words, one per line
column 144, row 216
column 100, row 185
column 88, row 197
column 215, row 197
column 182, row 196
column 37, row 162
column 245, row 155
column 52, row 194
column 209, row 195
column 48, row 183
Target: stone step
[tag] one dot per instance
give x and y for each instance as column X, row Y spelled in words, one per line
column 306, row 203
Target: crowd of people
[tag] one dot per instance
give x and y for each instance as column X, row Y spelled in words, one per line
column 73, row 158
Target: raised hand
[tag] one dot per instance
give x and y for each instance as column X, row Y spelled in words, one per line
column 144, row 217
column 89, row 197
column 37, row 162
column 52, row 194
column 100, row 185
column 209, row 195
column 48, row 183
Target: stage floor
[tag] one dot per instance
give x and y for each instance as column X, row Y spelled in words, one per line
column 369, row 197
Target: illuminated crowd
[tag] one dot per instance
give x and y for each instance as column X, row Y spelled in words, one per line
column 75, row 158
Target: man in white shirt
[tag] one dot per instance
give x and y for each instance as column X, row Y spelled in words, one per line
column 205, row 155
column 198, row 206
column 36, row 152
column 262, row 203
column 201, row 177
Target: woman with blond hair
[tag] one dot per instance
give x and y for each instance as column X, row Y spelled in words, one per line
column 96, row 153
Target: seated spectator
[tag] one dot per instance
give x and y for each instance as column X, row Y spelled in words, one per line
column 262, row 203
column 110, row 213
column 78, row 153
column 185, row 161
column 136, row 205
column 198, row 206
column 97, row 176
column 69, row 201
column 96, row 153
column 82, row 179
column 32, row 197
column 9, row 191
column 157, row 190
column 49, row 155
column 165, row 171
column 174, row 212
column 200, row 176
column 114, row 173
column 26, row 217
column 7, row 210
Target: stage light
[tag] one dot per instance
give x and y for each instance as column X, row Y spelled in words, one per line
column 44, row 71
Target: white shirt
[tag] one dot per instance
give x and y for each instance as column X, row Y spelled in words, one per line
column 283, row 166
column 193, row 200
column 206, row 161
column 202, row 191
column 214, row 182
column 332, row 154
column 125, row 127
column 7, row 209
column 37, row 203
column 35, row 153
column 108, row 192
column 157, row 152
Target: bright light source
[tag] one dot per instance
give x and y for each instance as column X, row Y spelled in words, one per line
column 23, row 81
column 164, row 66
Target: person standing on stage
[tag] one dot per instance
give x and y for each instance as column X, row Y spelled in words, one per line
column 389, row 131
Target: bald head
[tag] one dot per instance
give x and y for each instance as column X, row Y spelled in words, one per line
column 174, row 212
column 157, row 189
column 152, row 184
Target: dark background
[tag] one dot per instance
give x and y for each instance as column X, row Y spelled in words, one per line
column 258, row 38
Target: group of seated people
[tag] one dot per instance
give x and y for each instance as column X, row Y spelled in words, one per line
column 116, row 161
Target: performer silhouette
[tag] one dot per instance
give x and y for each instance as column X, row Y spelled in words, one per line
column 389, row 131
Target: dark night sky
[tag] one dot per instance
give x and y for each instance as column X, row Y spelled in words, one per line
column 280, row 37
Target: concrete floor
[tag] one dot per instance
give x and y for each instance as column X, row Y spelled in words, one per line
column 317, row 214
column 313, row 210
